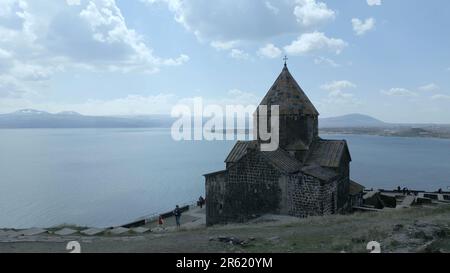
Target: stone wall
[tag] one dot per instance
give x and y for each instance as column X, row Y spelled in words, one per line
column 248, row 189
column 304, row 195
column 252, row 187
column 329, row 198
column 215, row 193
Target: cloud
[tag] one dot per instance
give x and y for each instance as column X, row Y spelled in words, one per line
column 239, row 54
column 73, row 2
column 131, row 104
column 227, row 45
column 429, row 87
column 337, row 95
column 250, row 20
column 315, row 41
column 269, row 51
column 399, row 92
column 341, row 97
column 32, row 72
column 327, row 61
column 440, row 97
column 42, row 39
column 374, row 2
column 10, row 87
column 271, row 7
column 5, row 54
column 360, row 27
column 311, row 12
column 338, row 85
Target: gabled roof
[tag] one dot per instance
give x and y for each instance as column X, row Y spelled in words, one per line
column 286, row 93
column 215, row 173
column 323, row 173
column 239, row 150
column 283, row 161
column 355, row 188
column 327, row 153
column 299, row 145
column 280, row 159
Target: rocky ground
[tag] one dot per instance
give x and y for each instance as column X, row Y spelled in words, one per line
column 416, row 229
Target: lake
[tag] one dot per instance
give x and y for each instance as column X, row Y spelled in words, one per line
column 106, row 177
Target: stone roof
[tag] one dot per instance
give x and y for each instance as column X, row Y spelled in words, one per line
column 239, row 150
column 323, row 153
column 286, row 93
column 327, row 153
column 323, row 173
column 280, row 159
column 299, row 145
column 355, row 188
column 283, row 161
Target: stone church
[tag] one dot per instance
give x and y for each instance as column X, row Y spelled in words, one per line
column 305, row 176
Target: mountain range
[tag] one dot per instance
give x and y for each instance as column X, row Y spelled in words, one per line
column 30, row 118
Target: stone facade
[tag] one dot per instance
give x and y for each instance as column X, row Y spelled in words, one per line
column 306, row 176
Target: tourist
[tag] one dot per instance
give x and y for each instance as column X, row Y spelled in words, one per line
column 160, row 221
column 201, row 201
column 177, row 214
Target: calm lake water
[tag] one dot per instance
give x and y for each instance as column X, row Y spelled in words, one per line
column 105, row 177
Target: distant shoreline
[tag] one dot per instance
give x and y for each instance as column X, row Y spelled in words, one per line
column 367, row 131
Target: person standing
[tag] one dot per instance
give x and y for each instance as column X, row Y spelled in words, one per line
column 201, row 201
column 177, row 214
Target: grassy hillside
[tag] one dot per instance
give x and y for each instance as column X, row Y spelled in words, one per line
column 420, row 229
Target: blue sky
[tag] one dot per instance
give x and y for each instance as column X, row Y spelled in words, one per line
column 386, row 58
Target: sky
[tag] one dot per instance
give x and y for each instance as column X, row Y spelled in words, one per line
column 386, row 58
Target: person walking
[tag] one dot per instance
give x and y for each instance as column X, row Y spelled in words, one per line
column 177, row 214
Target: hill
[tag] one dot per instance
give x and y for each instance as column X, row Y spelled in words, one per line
column 30, row 118
column 351, row 120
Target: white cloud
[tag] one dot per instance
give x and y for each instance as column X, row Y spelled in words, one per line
column 310, row 12
column 337, row 95
column 73, row 2
column 315, row 41
column 271, row 7
column 33, row 72
column 269, row 51
column 5, row 54
column 38, row 40
column 440, row 97
column 374, row 2
column 44, row 38
column 10, row 87
column 129, row 105
column 228, row 45
column 429, row 87
column 239, row 54
column 399, row 92
column 338, row 85
column 250, row 20
column 341, row 97
column 360, row 27
column 327, row 61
